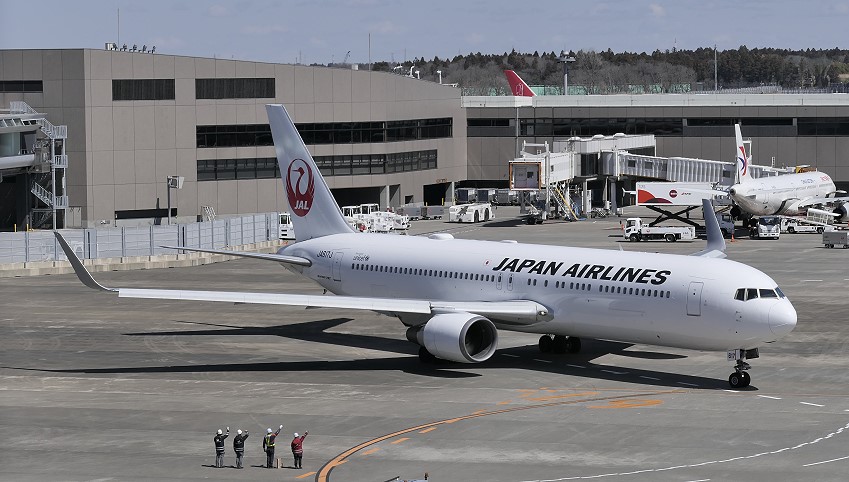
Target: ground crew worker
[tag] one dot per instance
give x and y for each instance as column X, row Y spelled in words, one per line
column 268, row 446
column 298, row 448
column 239, row 446
column 219, row 447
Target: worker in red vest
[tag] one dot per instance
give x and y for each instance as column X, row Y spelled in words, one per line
column 298, row 448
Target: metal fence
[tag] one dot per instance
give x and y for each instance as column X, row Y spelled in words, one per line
column 139, row 241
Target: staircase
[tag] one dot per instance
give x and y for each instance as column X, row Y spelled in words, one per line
column 44, row 187
column 563, row 204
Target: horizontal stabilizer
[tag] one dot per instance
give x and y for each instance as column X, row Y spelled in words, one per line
column 280, row 258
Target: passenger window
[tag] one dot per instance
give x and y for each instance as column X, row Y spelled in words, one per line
column 535, row 282
column 740, row 295
column 767, row 293
column 546, row 283
column 751, row 294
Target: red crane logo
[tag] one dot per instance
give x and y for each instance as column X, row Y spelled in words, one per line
column 300, row 189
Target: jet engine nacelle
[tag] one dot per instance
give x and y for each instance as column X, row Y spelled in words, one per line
column 459, row 337
column 842, row 212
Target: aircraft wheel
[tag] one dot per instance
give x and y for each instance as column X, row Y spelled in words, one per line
column 559, row 345
column 573, row 344
column 531, row 220
column 736, row 380
column 545, row 344
column 746, row 378
column 426, row 357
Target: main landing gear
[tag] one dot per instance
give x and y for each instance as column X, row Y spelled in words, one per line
column 559, row 344
column 740, row 378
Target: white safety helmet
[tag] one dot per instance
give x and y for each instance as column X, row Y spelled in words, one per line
column 239, row 432
column 269, row 430
column 296, row 434
column 219, row 431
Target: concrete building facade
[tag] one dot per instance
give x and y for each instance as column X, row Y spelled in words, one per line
column 136, row 118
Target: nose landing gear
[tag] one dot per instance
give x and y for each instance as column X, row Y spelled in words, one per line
column 740, row 378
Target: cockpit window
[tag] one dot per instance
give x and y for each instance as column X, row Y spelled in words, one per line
column 746, row 294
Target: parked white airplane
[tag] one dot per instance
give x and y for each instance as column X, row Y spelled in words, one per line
column 788, row 194
column 454, row 294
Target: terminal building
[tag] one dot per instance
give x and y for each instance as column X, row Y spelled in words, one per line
column 100, row 132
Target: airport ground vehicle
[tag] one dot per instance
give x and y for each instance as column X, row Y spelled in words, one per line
column 835, row 238
column 636, row 230
column 765, row 227
column 470, row 213
column 505, row 197
column 287, row 229
column 793, row 225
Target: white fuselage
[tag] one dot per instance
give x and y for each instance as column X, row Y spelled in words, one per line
column 658, row 299
column 780, row 194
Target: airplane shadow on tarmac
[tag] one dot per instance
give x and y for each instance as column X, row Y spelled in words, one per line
column 522, row 357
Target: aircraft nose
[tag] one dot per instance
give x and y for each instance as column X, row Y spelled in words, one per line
column 782, row 318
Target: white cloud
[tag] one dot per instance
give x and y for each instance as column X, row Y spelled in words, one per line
column 657, row 10
column 218, row 11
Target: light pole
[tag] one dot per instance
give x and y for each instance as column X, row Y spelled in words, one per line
column 566, row 61
column 174, row 182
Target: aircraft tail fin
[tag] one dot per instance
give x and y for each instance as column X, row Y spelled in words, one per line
column 313, row 208
column 742, row 158
column 715, row 242
column 517, row 85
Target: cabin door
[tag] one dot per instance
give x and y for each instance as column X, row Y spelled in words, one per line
column 337, row 265
column 694, row 298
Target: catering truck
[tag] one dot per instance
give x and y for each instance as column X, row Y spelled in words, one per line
column 636, row 230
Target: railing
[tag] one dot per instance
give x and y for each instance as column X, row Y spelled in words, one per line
column 128, row 241
column 42, row 193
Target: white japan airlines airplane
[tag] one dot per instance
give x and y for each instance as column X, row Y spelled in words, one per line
column 454, row 294
column 787, row 194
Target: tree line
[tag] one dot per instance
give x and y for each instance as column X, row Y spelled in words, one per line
column 605, row 72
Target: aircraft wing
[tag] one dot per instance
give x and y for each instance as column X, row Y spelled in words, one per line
column 815, row 201
column 280, row 258
column 521, row 312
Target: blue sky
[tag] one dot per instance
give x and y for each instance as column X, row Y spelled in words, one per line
column 322, row 31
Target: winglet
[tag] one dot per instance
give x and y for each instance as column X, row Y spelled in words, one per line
column 79, row 269
column 715, row 241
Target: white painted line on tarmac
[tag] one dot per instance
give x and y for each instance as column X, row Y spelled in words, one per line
column 615, row 373
column 809, row 280
column 826, row 461
column 771, row 398
column 812, row 404
column 544, row 361
column 731, row 391
column 574, row 366
column 650, row 378
column 700, row 480
column 688, row 384
column 510, row 355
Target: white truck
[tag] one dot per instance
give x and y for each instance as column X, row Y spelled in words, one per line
column 793, row 225
column 766, row 227
column 287, row 229
column 470, row 213
column 636, row 230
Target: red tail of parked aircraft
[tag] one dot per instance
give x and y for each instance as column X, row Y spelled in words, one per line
column 517, row 85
